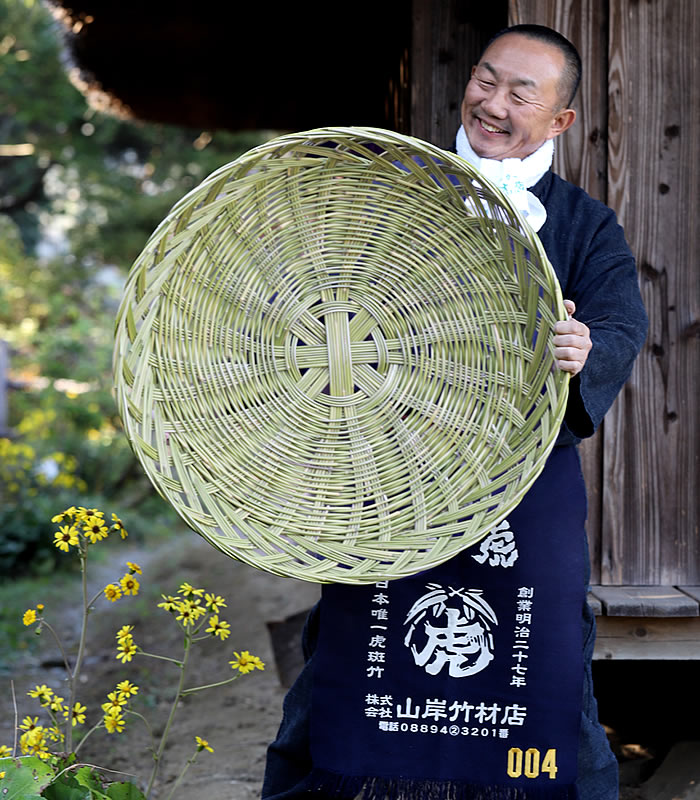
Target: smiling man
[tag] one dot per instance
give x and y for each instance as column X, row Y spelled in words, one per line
column 524, row 724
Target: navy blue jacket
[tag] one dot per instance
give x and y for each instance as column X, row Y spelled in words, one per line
column 596, row 270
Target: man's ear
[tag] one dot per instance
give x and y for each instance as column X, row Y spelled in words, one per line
column 562, row 121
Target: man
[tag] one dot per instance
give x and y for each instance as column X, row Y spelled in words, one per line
column 515, row 104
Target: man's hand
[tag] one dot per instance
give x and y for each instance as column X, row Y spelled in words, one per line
column 572, row 342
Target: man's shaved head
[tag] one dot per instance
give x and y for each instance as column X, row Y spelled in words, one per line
column 571, row 75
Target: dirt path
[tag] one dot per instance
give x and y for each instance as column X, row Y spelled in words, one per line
column 238, row 720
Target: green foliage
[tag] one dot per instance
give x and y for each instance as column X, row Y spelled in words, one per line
column 75, row 211
column 24, row 777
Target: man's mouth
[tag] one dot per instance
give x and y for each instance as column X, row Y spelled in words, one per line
column 490, row 128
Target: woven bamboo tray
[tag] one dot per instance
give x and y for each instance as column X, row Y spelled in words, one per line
column 334, row 358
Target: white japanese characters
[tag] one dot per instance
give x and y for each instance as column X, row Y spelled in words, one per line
column 376, row 651
column 521, row 645
column 498, row 547
column 451, row 627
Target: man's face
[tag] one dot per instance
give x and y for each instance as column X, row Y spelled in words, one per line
column 511, row 104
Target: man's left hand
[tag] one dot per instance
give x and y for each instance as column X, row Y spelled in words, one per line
column 572, row 342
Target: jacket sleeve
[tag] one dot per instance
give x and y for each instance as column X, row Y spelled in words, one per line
column 603, row 284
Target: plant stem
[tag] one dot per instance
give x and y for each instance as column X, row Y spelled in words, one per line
column 74, row 676
column 209, row 685
column 148, row 726
column 14, row 703
column 84, row 739
column 66, row 663
column 181, row 776
column 163, row 739
column 162, row 658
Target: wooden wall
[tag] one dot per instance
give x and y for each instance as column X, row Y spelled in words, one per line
column 634, row 146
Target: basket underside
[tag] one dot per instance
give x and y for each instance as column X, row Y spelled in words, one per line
column 334, row 357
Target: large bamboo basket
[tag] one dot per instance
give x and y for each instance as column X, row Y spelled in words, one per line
column 334, row 356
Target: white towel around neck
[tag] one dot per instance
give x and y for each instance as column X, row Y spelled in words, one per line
column 514, row 176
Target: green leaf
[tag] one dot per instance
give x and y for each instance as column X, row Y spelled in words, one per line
column 66, row 787
column 24, row 777
column 87, row 776
column 124, row 791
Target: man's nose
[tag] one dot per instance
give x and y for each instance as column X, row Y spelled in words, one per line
column 496, row 103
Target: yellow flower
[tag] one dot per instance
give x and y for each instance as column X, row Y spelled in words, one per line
column 65, row 537
column 43, row 693
column 116, row 701
column 214, row 602
column 203, row 744
column 117, row 525
column 188, row 590
column 133, row 567
column 129, row 585
column 40, row 607
column 128, row 651
column 29, row 723
column 169, row 603
column 33, row 742
column 114, row 723
column 218, row 627
column 56, row 703
column 127, row 689
column 186, row 613
column 246, row 663
column 55, row 734
column 29, row 617
column 95, row 528
column 124, row 633
column 112, row 592
column 198, row 610
column 2, row 774
column 5, row 751
column 78, row 715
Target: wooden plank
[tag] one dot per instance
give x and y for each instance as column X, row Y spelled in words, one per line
column 651, row 507
column 581, row 157
column 595, row 604
column 645, row 601
column 421, row 69
column 630, row 638
column 691, row 591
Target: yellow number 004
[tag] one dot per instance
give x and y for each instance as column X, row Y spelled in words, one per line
column 529, row 764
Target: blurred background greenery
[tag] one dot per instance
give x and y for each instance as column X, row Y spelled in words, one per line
column 81, row 190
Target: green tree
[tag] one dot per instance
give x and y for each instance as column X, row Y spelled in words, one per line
column 81, row 190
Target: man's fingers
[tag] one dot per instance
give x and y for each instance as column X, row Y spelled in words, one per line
column 571, row 340
column 569, row 353
column 571, row 326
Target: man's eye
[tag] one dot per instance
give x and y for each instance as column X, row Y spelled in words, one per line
column 484, row 82
column 519, row 99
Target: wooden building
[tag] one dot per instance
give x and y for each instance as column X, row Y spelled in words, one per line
column 404, row 65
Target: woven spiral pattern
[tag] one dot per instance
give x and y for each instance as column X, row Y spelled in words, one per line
column 334, row 356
